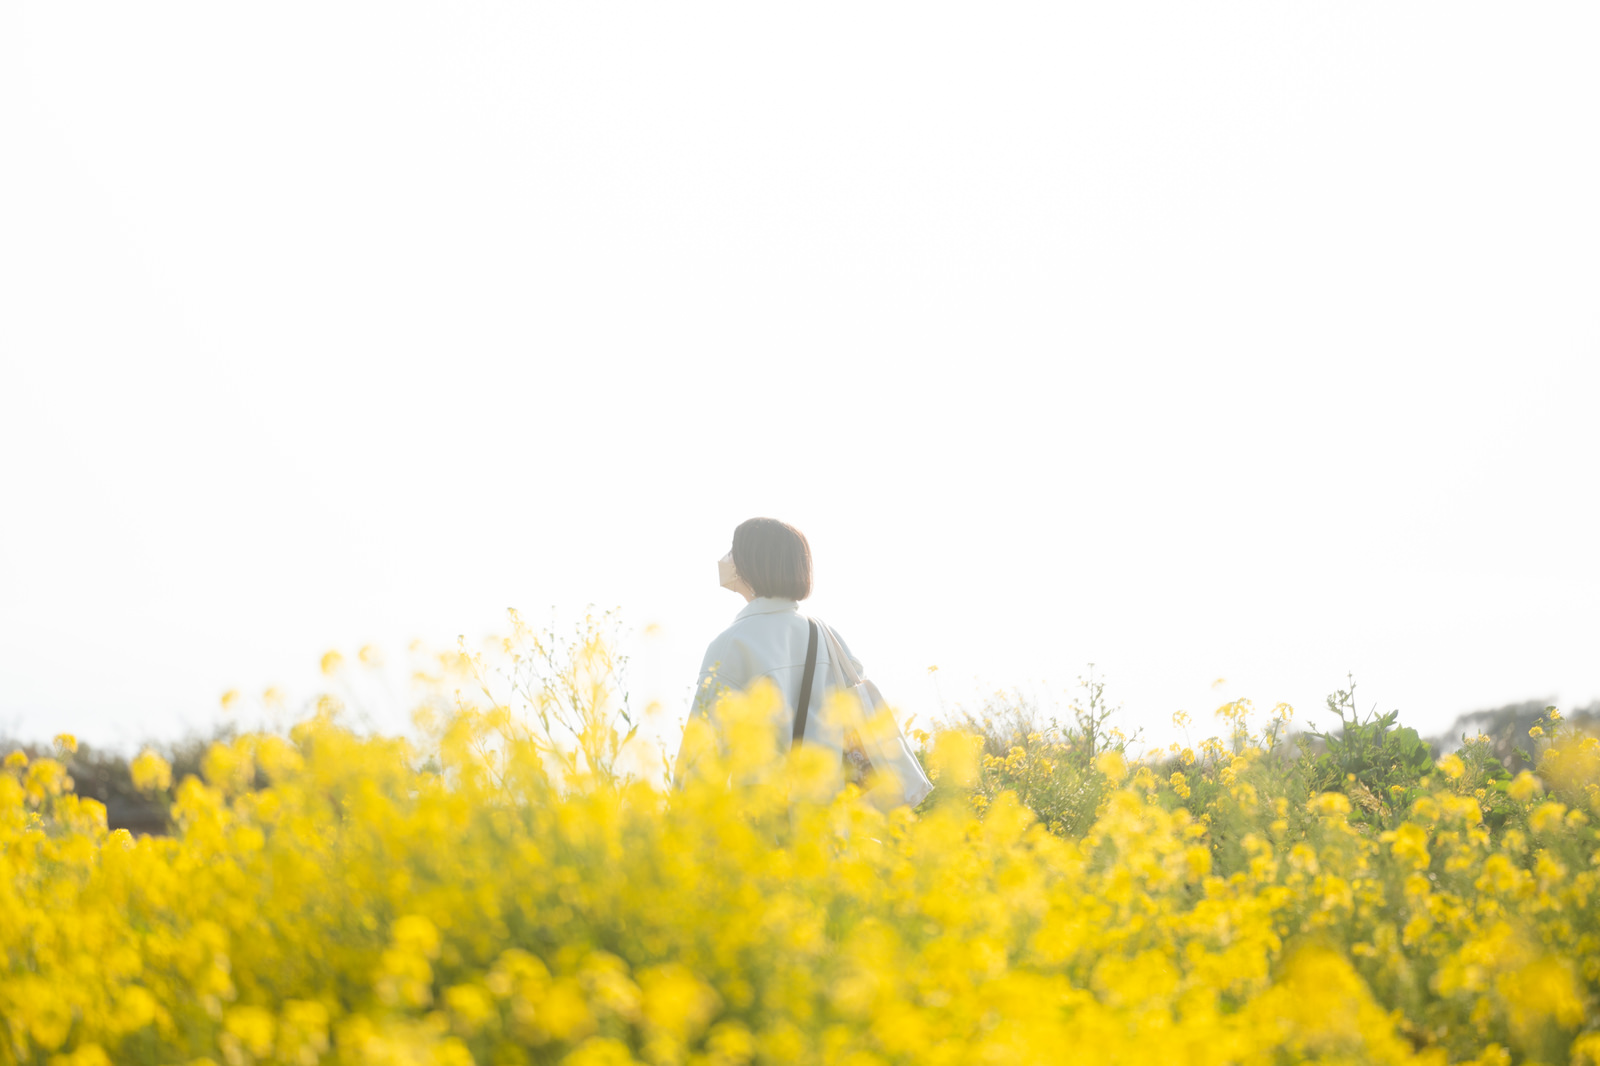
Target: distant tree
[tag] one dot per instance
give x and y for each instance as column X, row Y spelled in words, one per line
column 1507, row 729
column 104, row 775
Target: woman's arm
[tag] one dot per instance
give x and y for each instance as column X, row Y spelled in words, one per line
column 848, row 654
column 702, row 730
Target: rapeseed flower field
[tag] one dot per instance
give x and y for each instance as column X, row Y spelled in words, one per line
column 488, row 895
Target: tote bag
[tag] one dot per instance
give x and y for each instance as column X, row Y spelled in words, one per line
column 895, row 777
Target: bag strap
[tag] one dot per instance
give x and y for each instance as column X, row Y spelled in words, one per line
column 805, row 689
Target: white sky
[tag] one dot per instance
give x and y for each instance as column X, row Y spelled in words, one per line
column 1252, row 341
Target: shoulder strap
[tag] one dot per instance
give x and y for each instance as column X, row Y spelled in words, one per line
column 805, row 689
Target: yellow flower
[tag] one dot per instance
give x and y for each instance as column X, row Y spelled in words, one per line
column 1331, row 804
column 955, row 758
column 150, row 772
column 677, row 1002
column 1547, row 817
column 46, row 778
column 1409, row 842
column 1415, row 929
column 1460, row 808
column 1545, row 989
column 1498, row 876
column 336, row 894
column 1452, row 766
column 42, row 1011
column 1549, row 869
column 471, row 1007
column 1304, row 859
column 416, row 935
column 601, row 1051
column 1112, row 765
column 253, row 1027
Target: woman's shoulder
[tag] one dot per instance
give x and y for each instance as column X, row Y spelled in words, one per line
column 755, row 632
column 741, row 632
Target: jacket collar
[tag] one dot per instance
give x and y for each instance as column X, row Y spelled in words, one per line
column 767, row 605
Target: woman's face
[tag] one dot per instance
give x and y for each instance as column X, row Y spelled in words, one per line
column 728, row 575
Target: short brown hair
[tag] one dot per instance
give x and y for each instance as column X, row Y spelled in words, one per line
column 773, row 557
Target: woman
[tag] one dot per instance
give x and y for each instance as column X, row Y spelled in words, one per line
column 770, row 566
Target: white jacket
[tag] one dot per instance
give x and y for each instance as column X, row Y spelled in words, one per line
column 768, row 639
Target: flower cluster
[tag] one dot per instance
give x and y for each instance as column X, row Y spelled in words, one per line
column 330, row 897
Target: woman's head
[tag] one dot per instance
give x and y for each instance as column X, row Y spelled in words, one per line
column 773, row 557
